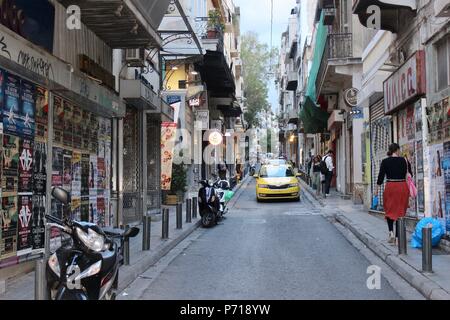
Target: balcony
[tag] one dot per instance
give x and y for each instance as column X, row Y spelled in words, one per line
column 292, row 81
column 293, row 115
column 338, row 52
column 139, row 94
column 123, row 23
column 213, row 40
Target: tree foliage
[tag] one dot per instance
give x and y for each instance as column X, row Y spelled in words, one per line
column 256, row 59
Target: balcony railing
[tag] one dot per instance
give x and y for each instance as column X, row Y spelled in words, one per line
column 337, row 46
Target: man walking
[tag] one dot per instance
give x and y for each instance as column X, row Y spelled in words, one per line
column 328, row 160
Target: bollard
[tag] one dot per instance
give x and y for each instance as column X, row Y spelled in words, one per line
column 188, row 210
column 146, row 229
column 126, row 249
column 427, row 250
column 401, row 234
column 165, row 224
column 179, row 216
column 39, row 284
column 194, row 207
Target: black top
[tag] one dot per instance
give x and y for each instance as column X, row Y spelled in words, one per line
column 316, row 167
column 393, row 168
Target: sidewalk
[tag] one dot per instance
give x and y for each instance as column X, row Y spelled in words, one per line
column 22, row 288
column 372, row 231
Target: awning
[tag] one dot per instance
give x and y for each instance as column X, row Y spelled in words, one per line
column 217, row 74
column 314, row 119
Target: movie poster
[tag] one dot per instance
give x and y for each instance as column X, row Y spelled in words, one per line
column 77, row 137
column 27, row 110
column 101, row 212
column 41, row 117
column 68, row 125
column 86, row 133
column 76, row 208
column 8, row 232
column 93, row 175
column 26, row 165
column 67, row 170
column 37, row 222
column 58, row 121
column 93, row 217
column 85, row 208
column 76, row 174
column 39, row 168
column 85, row 170
column 57, row 167
column 24, row 236
column 11, row 117
column 10, row 165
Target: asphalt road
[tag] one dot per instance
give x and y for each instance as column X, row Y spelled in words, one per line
column 277, row 250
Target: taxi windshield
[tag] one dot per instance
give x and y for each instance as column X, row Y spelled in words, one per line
column 276, row 172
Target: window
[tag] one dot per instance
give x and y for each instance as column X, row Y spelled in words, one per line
column 443, row 64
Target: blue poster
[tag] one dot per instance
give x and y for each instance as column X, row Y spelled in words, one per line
column 27, row 110
column 11, row 109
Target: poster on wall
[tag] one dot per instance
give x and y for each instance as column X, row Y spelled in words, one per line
column 26, row 165
column 58, row 120
column 67, row 170
column 68, row 125
column 8, row 233
column 419, row 156
column 410, row 123
column 101, row 176
column 10, row 165
column 446, row 109
column 76, row 208
column 2, row 96
column 437, row 182
column 41, row 116
column 93, row 142
column 408, row 151
column 27, row 110
column 85, row 208
column 37, row 222
column 57, row 167
column 93, row 175
column 77, row 128
column 420, row 197
column 39, row 168
column 101, row 212
column 76, row 174
column 93, row 216
column 56, row 209
column 85, row 170
column 24, row 236
column 11, row 117
column 446, row 172
column 168, row 134
column 86, row 133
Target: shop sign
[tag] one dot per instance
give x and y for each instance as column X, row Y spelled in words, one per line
column 194, row 102
column 215, row 138
column 351, row 97
column 407, row 83
column 202, row 116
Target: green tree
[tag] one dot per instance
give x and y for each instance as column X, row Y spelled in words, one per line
column 258, row 70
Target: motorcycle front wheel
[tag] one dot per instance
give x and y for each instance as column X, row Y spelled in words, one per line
column 208, row 220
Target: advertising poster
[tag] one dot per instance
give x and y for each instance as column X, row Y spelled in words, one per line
column 27, row 110
column 402, row 137
column 419, row 156
column 57, row 209
column 446, row 172
column 446, row 109
column 76, row 208
column 39, row 168
column 2, row 96
column 68, row 125
column 57, row 167
column 93, row 175
column 93, row 139
column 101, row 212
column 67, row 170
column 420, row 196
column 410, row 123
column 85, row 170
column 93, row 216
column 101, row 176
column 168, row 134
column 41, row 117
column 85, row 209
column 37, row 222
column 437, row 182
column 24, row 236
column 77, row 128
column 86, row 133
column 58, row 120
column 8, row 232
column 10, row 165
column 76, row 174
column 26, row 165
column 11, row 117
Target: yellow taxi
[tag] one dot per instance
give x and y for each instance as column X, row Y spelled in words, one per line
column 277, row 182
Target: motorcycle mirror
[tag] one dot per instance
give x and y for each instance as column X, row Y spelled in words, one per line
column 61, row 195
column 131, row 233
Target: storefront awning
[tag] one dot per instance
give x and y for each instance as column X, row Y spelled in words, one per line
column 217, row 74
column 314, row 119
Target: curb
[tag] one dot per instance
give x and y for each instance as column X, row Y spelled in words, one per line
column 137, row 269
column 311, row 193
column 428, row 288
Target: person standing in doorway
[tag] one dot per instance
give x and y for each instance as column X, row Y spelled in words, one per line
column 396, row 192
column 328, row 173
column 315, row 168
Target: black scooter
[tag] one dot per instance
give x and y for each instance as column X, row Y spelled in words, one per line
column 208, row 204
column 86, row 268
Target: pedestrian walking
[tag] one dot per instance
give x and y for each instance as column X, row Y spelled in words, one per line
column 315, row 167
column 396, row 192
column 327, row 168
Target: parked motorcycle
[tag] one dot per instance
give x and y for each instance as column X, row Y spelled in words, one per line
column 86, row 268
column 221, row 187
column 208, row 204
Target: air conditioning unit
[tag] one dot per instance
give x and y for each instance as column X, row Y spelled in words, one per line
column 135, row 57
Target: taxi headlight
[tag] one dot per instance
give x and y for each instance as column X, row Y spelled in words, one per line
column 294, row 185
column 264, row 186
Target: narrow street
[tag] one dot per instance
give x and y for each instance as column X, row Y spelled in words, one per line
column 278, row 250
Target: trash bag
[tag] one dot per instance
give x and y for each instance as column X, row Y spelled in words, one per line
column 436, row 233
column 228, row 195
column 374, row 203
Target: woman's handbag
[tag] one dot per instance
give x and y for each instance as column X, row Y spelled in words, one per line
column 409, row 181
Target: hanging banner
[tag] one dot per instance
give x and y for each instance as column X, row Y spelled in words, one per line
column 168, row 135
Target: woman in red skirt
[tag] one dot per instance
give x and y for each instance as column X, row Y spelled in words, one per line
column 396, row 192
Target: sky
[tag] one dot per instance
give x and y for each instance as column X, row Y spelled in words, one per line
column 255, row 16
